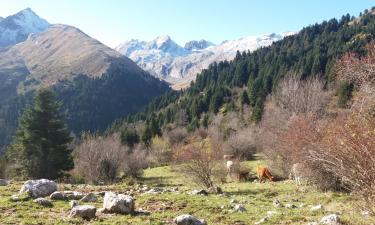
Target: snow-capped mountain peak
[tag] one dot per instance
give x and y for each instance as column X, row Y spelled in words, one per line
column 161, row 41
column 16, row 28
column 165, row 44
column 163, row 58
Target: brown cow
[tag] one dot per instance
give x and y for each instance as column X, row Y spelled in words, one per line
column 263, row 174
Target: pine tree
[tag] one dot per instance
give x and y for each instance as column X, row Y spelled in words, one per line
column 257, row 111
column 205, row 121
column 245, row 98
column 146, row 136
column 41, row 145
column 129, row 137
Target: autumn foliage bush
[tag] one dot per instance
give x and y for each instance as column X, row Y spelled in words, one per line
column 199, row 163
column 103, row 158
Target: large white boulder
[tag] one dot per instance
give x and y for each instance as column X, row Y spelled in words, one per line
column 39, row 188
column 188, row 220
column 84, row 211
column 113, row 203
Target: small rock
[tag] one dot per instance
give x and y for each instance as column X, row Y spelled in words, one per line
column 144, row 188
column 316, row 208
column 156, row 190
column 264, row 219
column 91, row 197
column 141, row 211
column 188, row 220
column 312, row 223
column 57, row 195
column 199, row 192
column 332, row 219
column 365, row 213
column 239, row 208
column 277, row 203
column 39, row 188
column 271, row 213
column 3, row 182
column 73, row 195
column 123, row 204
column 290, row 206
column 174, row 189
column 73, row 203
column 43, row 202
column 86, row 212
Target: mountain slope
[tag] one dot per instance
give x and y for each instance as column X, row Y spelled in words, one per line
column 16, row 28
column 95, row 83
column 247, row 80
column 181, row 66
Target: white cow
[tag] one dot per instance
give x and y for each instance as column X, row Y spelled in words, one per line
column 230, row 165
column 296, row 173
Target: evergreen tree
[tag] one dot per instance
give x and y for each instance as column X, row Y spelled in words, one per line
column 205, row 121
column 154, row 126
column 345, row 93
column 129, row 137
column 146, row 136
column 245, row 98
column 41, row 145
column 257, row 111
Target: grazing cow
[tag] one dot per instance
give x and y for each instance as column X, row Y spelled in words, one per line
column 263, row 174
column 296, row 173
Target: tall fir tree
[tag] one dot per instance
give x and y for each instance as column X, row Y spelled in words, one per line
column 41, row 148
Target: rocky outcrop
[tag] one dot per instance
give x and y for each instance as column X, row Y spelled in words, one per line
column 118, row 203
column 39, row 188
column 86, row 212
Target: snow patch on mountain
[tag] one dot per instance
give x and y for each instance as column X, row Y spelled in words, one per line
column 165, row 59
column 16, row 28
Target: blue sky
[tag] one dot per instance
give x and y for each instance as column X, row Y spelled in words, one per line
column 114, row 21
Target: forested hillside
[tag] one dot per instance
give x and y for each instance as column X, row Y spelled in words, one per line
column 94, row 83
column 251, row 76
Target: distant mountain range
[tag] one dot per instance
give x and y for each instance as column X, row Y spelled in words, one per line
column 95, row 83
column 178, row 65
